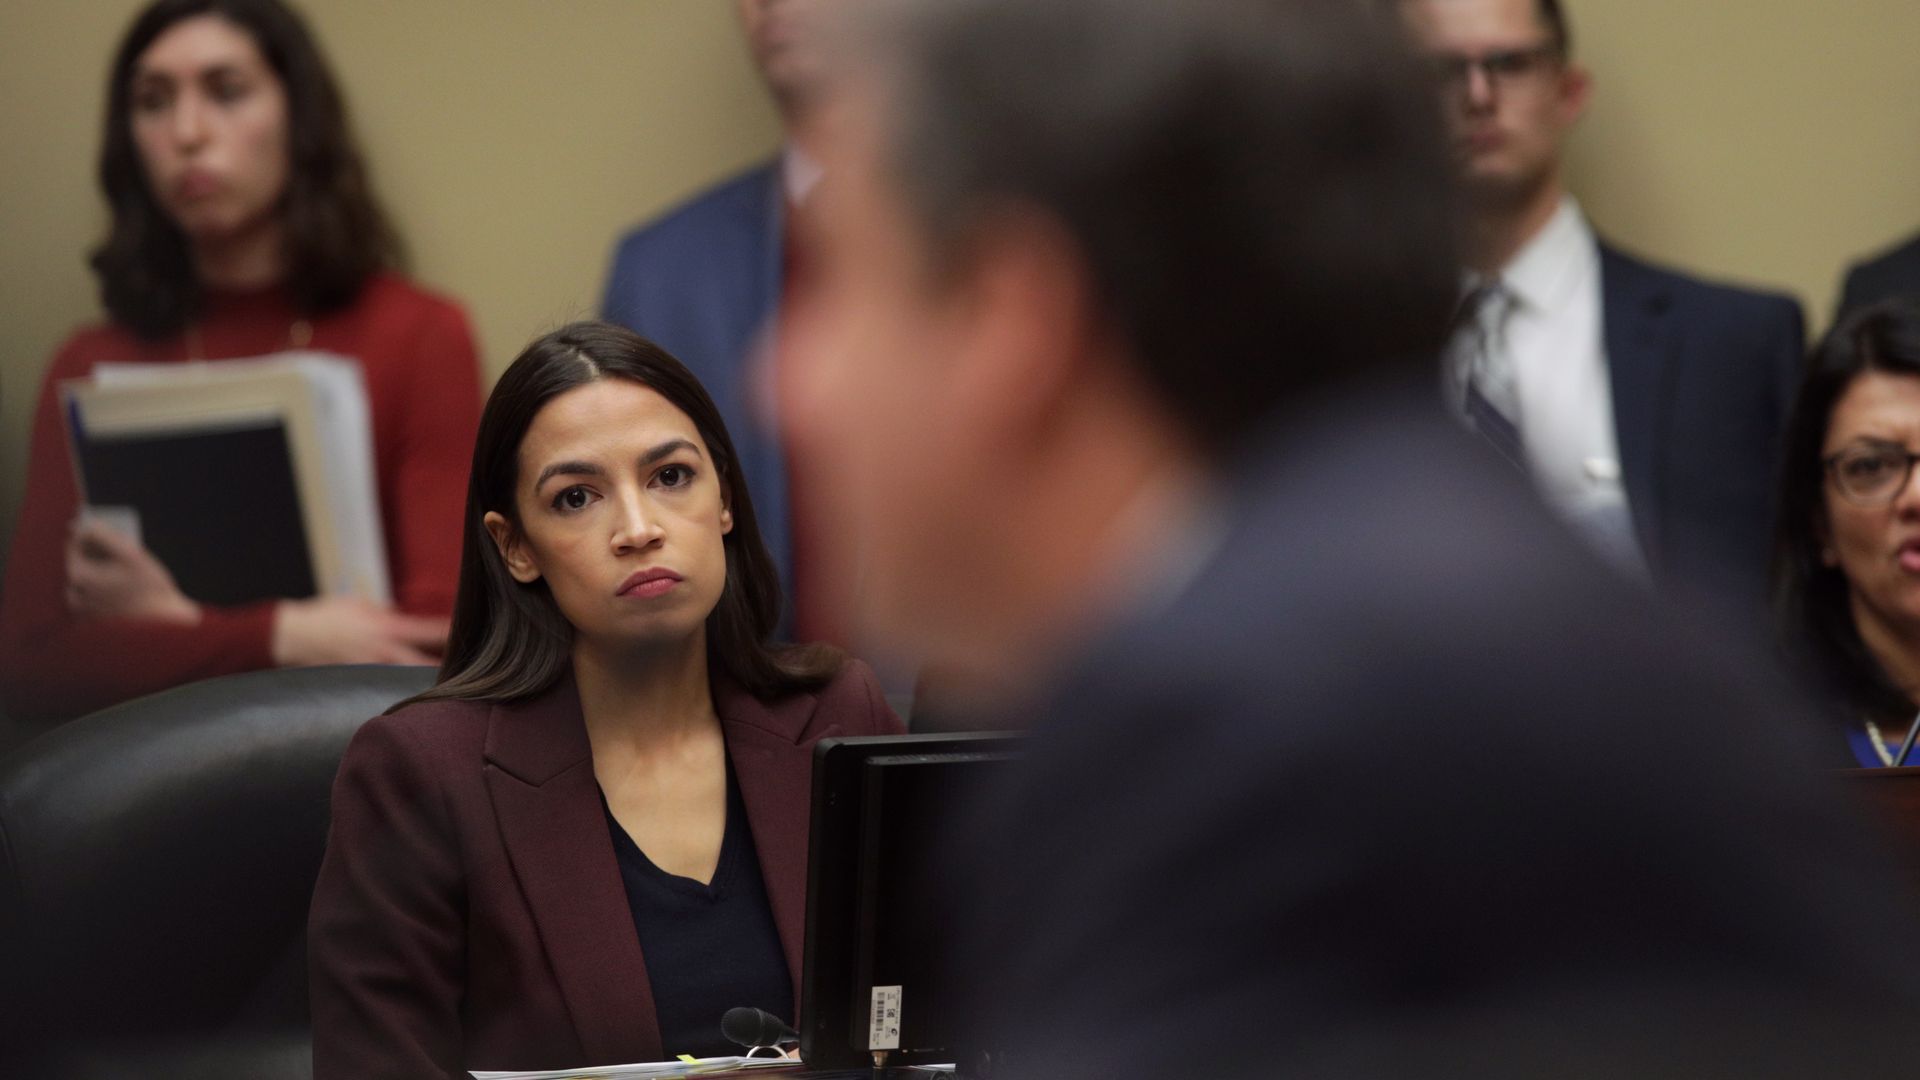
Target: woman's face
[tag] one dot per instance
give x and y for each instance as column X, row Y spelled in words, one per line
column 1877, row 545
column 209, row 120
column 621, row 512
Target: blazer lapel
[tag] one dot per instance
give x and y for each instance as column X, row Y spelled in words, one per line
column 540, row 778
column 1640, row 365
column 775, row 772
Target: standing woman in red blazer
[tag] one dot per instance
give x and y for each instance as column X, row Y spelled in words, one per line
column 242, row 224
column 588, row 840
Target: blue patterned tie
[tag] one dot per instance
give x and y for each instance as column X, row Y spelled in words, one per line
column 1491, row 403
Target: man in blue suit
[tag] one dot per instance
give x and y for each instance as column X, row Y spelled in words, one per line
column 1646, row 405
column 704, row 280
column 1115, row 355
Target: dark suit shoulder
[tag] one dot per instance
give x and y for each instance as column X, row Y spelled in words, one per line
column 1904, row 256
column 742, row 197
column 1618, row 266
column 1894, row 271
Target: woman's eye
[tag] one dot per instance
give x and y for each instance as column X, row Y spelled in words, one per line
column 228, row 92
column 149, row 101
column 573, row 498
column 676, row 476
column 1866, row 468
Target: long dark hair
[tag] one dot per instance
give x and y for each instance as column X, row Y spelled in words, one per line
column 337, row 235
column 509, row 640
column 1811, row 599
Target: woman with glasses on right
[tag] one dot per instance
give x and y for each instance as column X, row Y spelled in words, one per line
column 1847, row 568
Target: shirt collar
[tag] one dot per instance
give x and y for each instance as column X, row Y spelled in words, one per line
column 1545, row 273
column 799, row 174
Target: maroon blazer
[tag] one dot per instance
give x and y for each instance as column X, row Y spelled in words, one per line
column 470, row 913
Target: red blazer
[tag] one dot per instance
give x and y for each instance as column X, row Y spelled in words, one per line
column 470, row 912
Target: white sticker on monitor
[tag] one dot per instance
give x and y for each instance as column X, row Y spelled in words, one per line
column 883, row 1024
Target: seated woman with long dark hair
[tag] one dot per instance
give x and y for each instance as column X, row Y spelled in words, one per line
column 242, row 223
column 1847, row 574
column 589, row 839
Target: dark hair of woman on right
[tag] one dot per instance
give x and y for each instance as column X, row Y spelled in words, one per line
column 614, row 765
column 1847, row 565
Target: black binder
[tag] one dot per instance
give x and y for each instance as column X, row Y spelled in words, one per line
column 218, row 505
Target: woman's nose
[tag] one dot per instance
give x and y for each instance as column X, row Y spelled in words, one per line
column 189, row 121
column 1906, row 501
column 636, row 526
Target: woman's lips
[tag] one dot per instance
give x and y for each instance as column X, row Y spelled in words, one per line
column 649, row 584
column 197, row 184
column 1909, row 556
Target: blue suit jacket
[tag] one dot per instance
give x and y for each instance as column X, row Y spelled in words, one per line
column 1703, row 376
column 702, row 281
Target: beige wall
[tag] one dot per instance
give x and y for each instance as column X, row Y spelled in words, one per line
column 1767, row 141
column 1771, row 141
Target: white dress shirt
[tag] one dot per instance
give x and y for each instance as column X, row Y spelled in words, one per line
column 799, row 174
column 1553, row 338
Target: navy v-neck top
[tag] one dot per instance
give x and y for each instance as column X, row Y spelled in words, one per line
column 708, row 947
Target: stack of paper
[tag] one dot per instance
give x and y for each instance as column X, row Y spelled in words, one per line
column 683, row 1067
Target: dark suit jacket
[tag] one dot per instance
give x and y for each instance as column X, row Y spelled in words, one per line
column 702, row 281
column 1891, row 273
column 470, row 912
column 1703, row 376
column 1404, row 784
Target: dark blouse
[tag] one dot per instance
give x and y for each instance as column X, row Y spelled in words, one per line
column 711, row 947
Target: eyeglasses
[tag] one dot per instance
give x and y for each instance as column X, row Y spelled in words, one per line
column 1871, row 475
column 1501, row 68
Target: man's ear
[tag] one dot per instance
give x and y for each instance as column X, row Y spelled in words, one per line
column 1034, row 314
column 513, row 552
column 1576, row 92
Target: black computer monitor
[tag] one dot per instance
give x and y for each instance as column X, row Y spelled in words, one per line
column 872, row 992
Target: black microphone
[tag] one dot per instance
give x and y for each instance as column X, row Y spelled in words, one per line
column 756, row 1027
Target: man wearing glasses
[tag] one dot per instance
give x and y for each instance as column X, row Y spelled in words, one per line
column 1646, row 405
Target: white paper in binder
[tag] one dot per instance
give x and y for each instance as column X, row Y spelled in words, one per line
column 346, row 525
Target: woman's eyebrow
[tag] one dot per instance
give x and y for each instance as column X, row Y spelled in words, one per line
column 569, row 468
column 216, row 69
column 667, row 448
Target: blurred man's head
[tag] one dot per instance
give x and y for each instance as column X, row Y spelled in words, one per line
column 783, row 36
column 1510, row 89
column 1074, row 249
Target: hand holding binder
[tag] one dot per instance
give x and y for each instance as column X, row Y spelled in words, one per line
column 111, row 575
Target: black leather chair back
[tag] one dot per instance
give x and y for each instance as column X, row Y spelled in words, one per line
column 156, row 863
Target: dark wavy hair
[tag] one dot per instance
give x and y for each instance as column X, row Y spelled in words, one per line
column 510, row 640
column 1811, row 599
column 337, row 235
